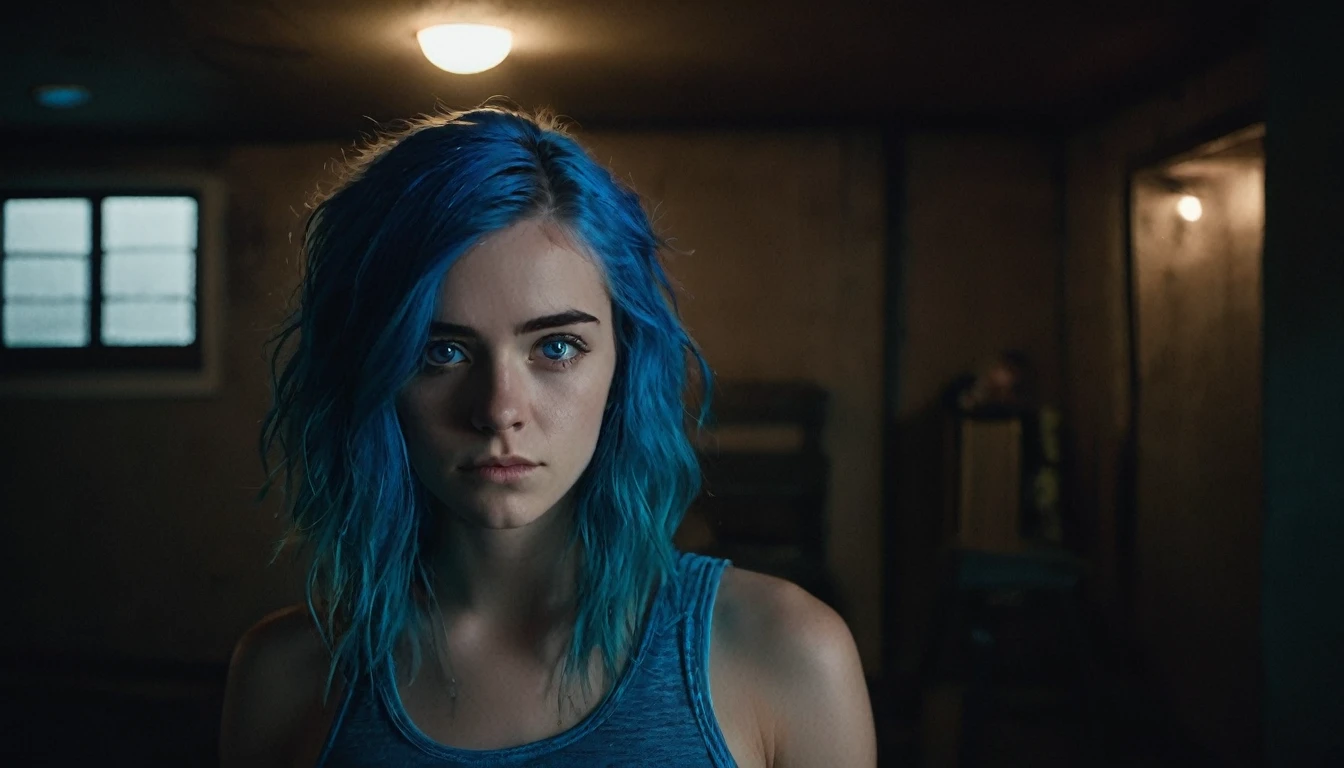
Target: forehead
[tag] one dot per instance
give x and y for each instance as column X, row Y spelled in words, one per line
column 531, row 269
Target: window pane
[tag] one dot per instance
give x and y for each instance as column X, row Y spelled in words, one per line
column 154, row 273
column 153, row 222
column 149, row 323
column 64, row 324
column 46, row 277
column 49, row 225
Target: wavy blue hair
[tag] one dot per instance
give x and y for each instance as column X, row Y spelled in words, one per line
column 377, row 249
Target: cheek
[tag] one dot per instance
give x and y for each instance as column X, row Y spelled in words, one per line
column 418, row 415
column 569, row 416
column 588, row 400
column 573, row 408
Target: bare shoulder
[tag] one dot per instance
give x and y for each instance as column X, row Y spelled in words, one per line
column 776, row 616
column 797, row 656
column 274, row 712
column 287, row 633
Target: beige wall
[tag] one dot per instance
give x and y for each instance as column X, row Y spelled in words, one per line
column 980, row 255
column 136, row 534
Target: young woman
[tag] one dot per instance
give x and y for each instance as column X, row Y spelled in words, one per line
column 484, row 442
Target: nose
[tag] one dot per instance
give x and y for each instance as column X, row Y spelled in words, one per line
column 501, row 404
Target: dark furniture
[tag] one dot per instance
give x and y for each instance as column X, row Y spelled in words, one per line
column 766, row 481
column 1008, row 630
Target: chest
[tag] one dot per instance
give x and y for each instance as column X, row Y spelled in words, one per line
column 495, row 703
column 511, row 701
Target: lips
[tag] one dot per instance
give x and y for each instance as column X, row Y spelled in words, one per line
column 500, row 461
column 504, row 470
column 496, row 472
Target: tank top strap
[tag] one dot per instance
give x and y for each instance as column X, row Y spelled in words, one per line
column 700, row 577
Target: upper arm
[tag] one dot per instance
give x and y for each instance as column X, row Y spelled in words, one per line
column 809, row 676
column 273, row 700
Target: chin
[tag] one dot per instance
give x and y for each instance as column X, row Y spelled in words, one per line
column 502, row 513
column 508, row 518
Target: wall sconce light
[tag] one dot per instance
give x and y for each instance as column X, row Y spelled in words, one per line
column 465, row 49
column 1189, row 208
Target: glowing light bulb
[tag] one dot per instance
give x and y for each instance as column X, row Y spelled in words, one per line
column 1189, row 208
column 465, row 49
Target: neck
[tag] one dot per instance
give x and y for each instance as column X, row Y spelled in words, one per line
column 511, row 579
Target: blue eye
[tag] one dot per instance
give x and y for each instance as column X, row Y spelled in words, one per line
column 559, row 350
column 442, row 353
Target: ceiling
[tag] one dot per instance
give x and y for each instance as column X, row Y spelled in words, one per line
column 290, row 69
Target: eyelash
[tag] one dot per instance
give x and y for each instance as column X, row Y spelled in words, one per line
column 574, row 341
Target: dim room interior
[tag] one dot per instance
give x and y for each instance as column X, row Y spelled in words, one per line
column 1027, row 321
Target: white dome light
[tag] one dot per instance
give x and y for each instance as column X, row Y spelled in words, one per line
column 465, row 49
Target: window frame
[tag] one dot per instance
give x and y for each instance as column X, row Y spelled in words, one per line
column 98, row 370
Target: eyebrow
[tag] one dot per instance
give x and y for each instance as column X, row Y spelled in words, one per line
column 568, row 317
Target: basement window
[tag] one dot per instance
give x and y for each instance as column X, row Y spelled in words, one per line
column 108, row 290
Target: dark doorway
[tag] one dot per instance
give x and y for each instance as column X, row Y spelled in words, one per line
column 1197, row 236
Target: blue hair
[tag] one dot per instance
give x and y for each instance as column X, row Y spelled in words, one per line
column 377, row 249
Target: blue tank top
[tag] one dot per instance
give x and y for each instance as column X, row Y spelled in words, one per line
column 658, row 713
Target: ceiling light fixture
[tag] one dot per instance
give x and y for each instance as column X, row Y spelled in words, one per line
column 55, row 96
column 465, row 49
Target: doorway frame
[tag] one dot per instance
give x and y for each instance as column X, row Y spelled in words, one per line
column 1227, row 129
